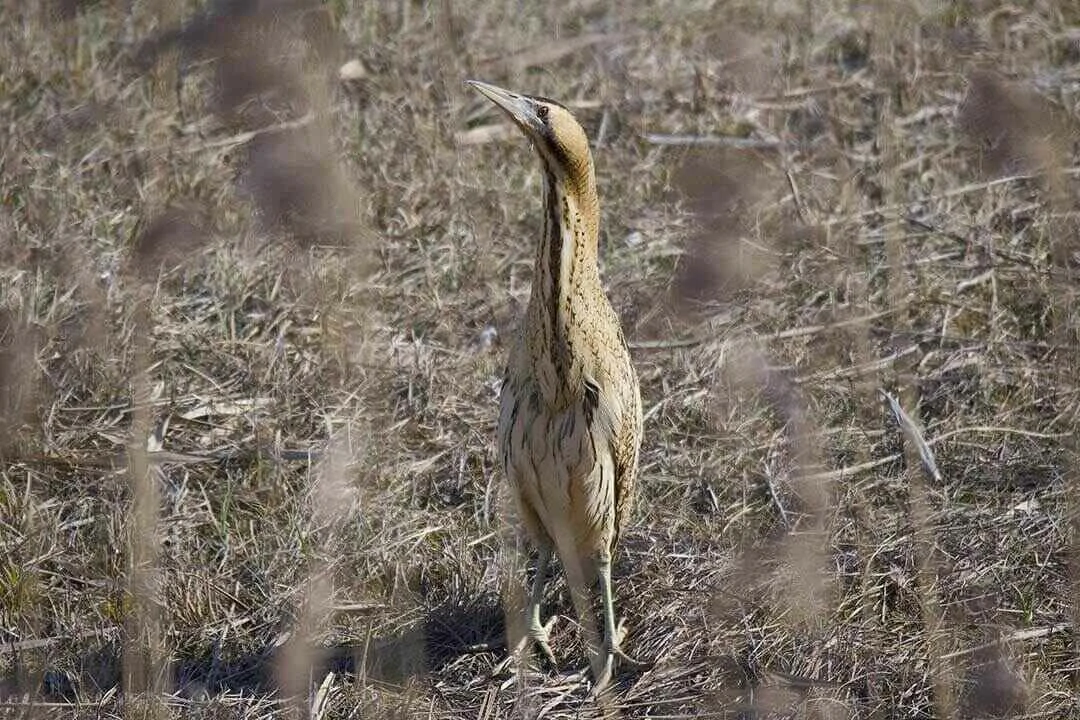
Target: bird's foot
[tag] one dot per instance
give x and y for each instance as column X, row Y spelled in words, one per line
column 604, row 671
column 537, row 636
column 609, row 658
column 602, row 674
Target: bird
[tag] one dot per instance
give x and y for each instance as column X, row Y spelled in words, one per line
column 570, row 421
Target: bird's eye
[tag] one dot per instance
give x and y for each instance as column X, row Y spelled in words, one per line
column 542, row 112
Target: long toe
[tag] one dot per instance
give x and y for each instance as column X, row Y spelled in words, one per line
column 538, row 636
column 630, row 662
column 623, row 658
column 544, row 647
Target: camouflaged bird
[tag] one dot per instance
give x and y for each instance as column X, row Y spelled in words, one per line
column 570, row 420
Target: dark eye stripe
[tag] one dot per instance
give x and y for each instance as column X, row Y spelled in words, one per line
column 549, row 101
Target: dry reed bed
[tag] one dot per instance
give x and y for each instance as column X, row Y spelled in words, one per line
column 253, row 322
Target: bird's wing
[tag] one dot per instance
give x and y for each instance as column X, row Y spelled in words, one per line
column 625, row 451
column 626, row 443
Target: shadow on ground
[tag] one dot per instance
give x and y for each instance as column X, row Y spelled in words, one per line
column 455, row 628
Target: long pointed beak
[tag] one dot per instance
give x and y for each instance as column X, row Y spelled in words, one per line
column 518, row 107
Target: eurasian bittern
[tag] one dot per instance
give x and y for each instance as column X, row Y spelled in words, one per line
column 570, row 410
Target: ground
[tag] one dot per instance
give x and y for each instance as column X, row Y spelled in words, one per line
column 261, row 264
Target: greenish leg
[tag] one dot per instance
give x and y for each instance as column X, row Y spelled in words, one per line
column 610, row 650
column 537, row 633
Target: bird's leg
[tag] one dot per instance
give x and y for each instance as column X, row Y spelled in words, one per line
column 610, row 650
column 602, row 670
column 535, row 629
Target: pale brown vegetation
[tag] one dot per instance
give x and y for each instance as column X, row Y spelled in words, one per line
column 234, row 287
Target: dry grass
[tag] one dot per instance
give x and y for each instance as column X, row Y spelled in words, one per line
column 252, row 320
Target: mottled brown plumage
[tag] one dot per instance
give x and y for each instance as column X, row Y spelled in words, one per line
column 570, row 415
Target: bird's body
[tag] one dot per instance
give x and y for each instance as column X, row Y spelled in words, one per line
column 569, row 427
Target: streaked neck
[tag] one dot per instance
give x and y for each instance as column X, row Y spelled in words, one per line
column 566, row 272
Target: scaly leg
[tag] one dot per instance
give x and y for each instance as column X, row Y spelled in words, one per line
column 610, row 650
column 535, row 629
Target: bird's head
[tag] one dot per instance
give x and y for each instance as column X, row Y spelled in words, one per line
column 557, row 136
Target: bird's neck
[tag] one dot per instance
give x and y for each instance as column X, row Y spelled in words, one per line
column 566, row 284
